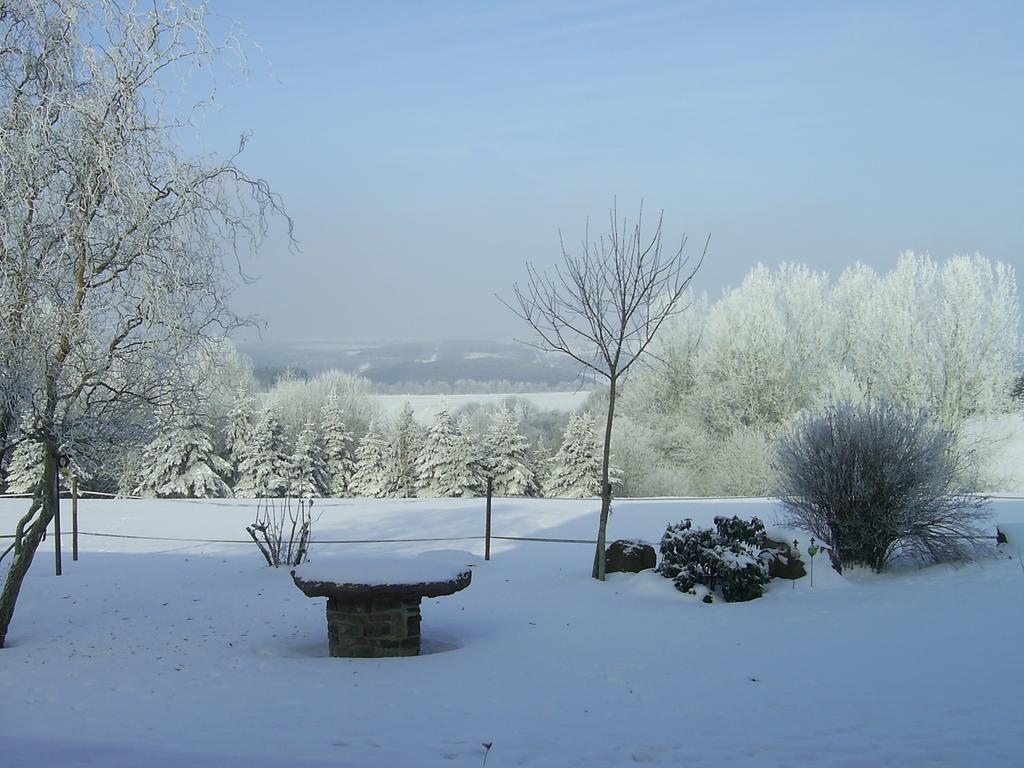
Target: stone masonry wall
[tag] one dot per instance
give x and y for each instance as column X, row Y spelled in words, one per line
column 373, row 628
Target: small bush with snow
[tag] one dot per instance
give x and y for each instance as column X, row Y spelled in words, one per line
column 728, row 557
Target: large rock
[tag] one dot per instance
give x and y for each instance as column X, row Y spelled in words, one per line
column 629, row 556
column 783, row 564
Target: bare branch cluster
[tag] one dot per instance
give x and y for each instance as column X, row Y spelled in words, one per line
column 604, row 304
column 282, row 535
column 603, row 307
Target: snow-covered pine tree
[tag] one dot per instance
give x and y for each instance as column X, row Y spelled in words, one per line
column 402, row 454
column 369, row 480
column 26, row 467
column 236, row 432
column 337, row 444
column 508, row 457
column 181, row 463
column 576, row 468
column 263, row 463
column 437, row 469
column 469, row 464
column 307, row 470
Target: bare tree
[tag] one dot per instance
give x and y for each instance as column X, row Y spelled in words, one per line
column 115, row 247
column 603, row 307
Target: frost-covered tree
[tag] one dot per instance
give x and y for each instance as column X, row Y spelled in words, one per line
column 263, row 467
column 115, row 245
column 470, row 471
column 576, row 467
column 507, row 454
column 237, row 432
column 181, row 463
column 438, row 466
column 403, row 452
column 337, row 443
column 26, row 467
column 307, row 470
column 940, row 336
column 296, row 399
column 370, row 478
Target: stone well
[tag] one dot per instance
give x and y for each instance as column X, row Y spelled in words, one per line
column 373, row 606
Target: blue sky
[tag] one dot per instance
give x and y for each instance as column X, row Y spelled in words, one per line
column 427, row 150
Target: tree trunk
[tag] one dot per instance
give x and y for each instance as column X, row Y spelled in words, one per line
column 606, row 486
column 5, row 427
column 30, row 543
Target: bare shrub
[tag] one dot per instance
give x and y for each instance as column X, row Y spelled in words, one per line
column 282, row 533
column 874, row 480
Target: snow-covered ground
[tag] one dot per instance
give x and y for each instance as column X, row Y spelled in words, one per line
column 425, row 407
column 161, row 653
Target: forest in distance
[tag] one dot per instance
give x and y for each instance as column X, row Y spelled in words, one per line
column 725, row 379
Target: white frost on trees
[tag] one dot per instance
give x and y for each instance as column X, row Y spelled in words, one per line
column 337, row 444
column 438, row 470
column 576, row 467
column 263, row 464
column 307, row 470
column 26, row 467
column 470, row 474
column 370, row 479
column 181, row 463
column 237, row 431
column 508, row 457
column 402, row 454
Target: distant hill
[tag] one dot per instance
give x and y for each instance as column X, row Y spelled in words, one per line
column 390, row 364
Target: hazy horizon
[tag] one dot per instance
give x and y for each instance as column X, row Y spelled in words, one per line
column 427, row 151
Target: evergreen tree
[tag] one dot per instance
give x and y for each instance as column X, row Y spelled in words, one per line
column 236, row 433
column 181, row 463
column 508, row 457
column 26, row 467
column 307, row 470
column 369, row 480
column 337, row 445
column 437, row 469
column 402, row 454
column 576, row 468
column 263, row 464
column 470, row 473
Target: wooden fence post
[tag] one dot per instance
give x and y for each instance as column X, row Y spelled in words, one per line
column 74, row 519
column 487, row 529
column 56, row 524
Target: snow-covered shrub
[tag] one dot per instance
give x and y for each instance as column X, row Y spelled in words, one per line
column 874, row 480
column 729, row 557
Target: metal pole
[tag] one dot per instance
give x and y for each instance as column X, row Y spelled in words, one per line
column 74, row 519
column 487, row 530
column 56, row 521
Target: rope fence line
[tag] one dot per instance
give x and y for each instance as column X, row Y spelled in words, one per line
column 320, row 541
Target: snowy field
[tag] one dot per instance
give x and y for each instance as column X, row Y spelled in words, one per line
column 425, row 407
column 162, row 653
